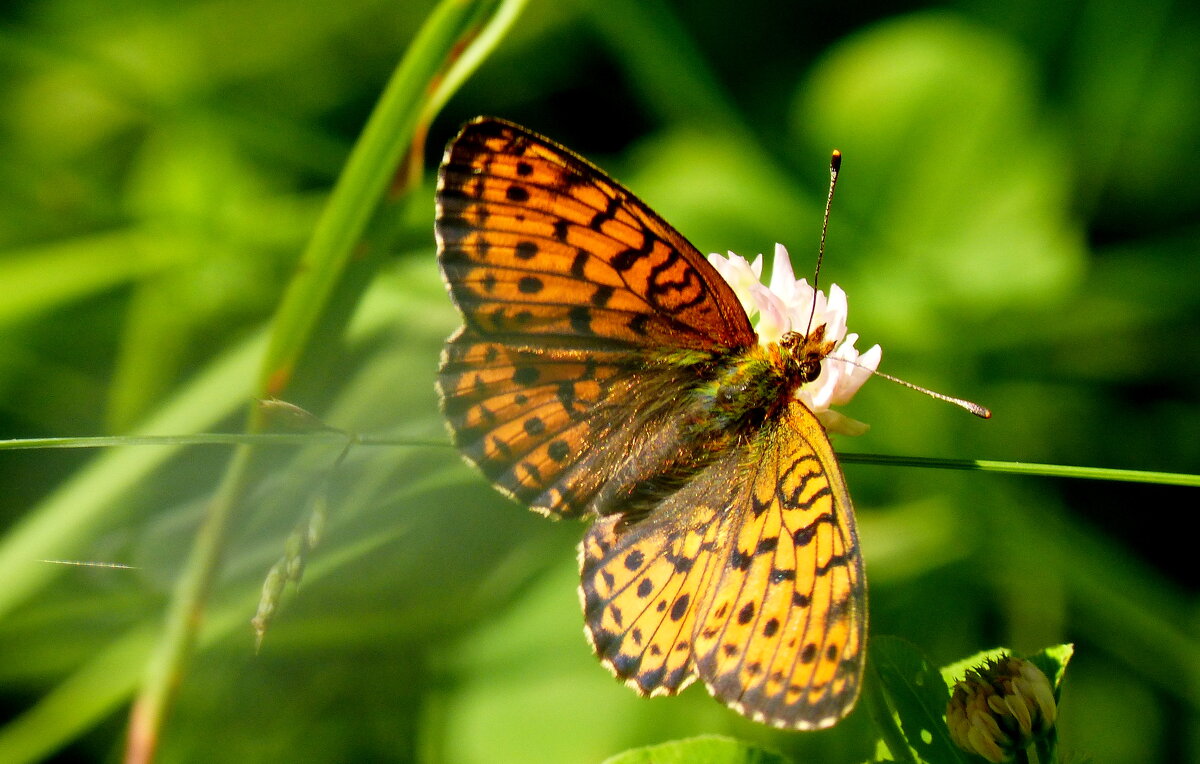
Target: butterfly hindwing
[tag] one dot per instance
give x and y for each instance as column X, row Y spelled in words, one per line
column 638, row 592
column 522, row 417
column 749, row 577
column 781, row 630
column 530, row 419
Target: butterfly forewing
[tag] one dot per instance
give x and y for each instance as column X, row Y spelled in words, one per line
column 576, row 386
column 570, row 289
column 537, row 242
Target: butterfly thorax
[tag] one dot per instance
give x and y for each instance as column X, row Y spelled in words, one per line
column 752, row 386
column 736, row 394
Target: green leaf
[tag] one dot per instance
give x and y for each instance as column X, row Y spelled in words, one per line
column 958, row 670
column 951, row 134
column 455, row 38
column 918, row 694
column 1053, row 663
column 711, row 749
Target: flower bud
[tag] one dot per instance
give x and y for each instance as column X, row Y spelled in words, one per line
column 1001, row 709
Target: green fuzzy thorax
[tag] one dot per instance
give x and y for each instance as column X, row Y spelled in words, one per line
column 733, row 395
column 754, row 384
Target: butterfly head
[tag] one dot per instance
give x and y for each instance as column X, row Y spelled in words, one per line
column 800, row 355
column 804, row 333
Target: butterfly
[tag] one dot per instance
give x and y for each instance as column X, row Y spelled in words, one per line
column 606, row 370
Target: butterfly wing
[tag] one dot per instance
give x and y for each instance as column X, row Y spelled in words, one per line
column 781, row 630
column 641, row 583
column 536, row 244
column 572, row 294
column 532, row 419
column 749, row 577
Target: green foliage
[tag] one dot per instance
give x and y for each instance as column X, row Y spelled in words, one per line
column 709, row 748
column 1015, row 223
column 918, row 694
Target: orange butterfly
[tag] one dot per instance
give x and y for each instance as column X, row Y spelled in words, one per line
column 606, row 369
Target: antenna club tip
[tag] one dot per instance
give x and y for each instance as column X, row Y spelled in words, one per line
column 983, row 412
column 835, row 161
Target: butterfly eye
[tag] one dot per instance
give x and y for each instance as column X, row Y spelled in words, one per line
column 810, row 369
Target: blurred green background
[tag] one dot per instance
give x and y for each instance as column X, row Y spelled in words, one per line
column 1016, row 222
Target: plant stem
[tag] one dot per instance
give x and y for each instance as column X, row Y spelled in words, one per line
column 454, row 38
column 1045, row 749
column 171, row 653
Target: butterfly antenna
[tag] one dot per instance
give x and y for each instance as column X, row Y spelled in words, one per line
column 980, row 411
column 835, row 164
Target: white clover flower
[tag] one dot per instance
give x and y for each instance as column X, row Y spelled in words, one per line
column 787, row 306
column 744, row 277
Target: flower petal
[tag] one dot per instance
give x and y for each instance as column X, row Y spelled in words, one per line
column 783, row 280
column 773, row 320
column 791, row 305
